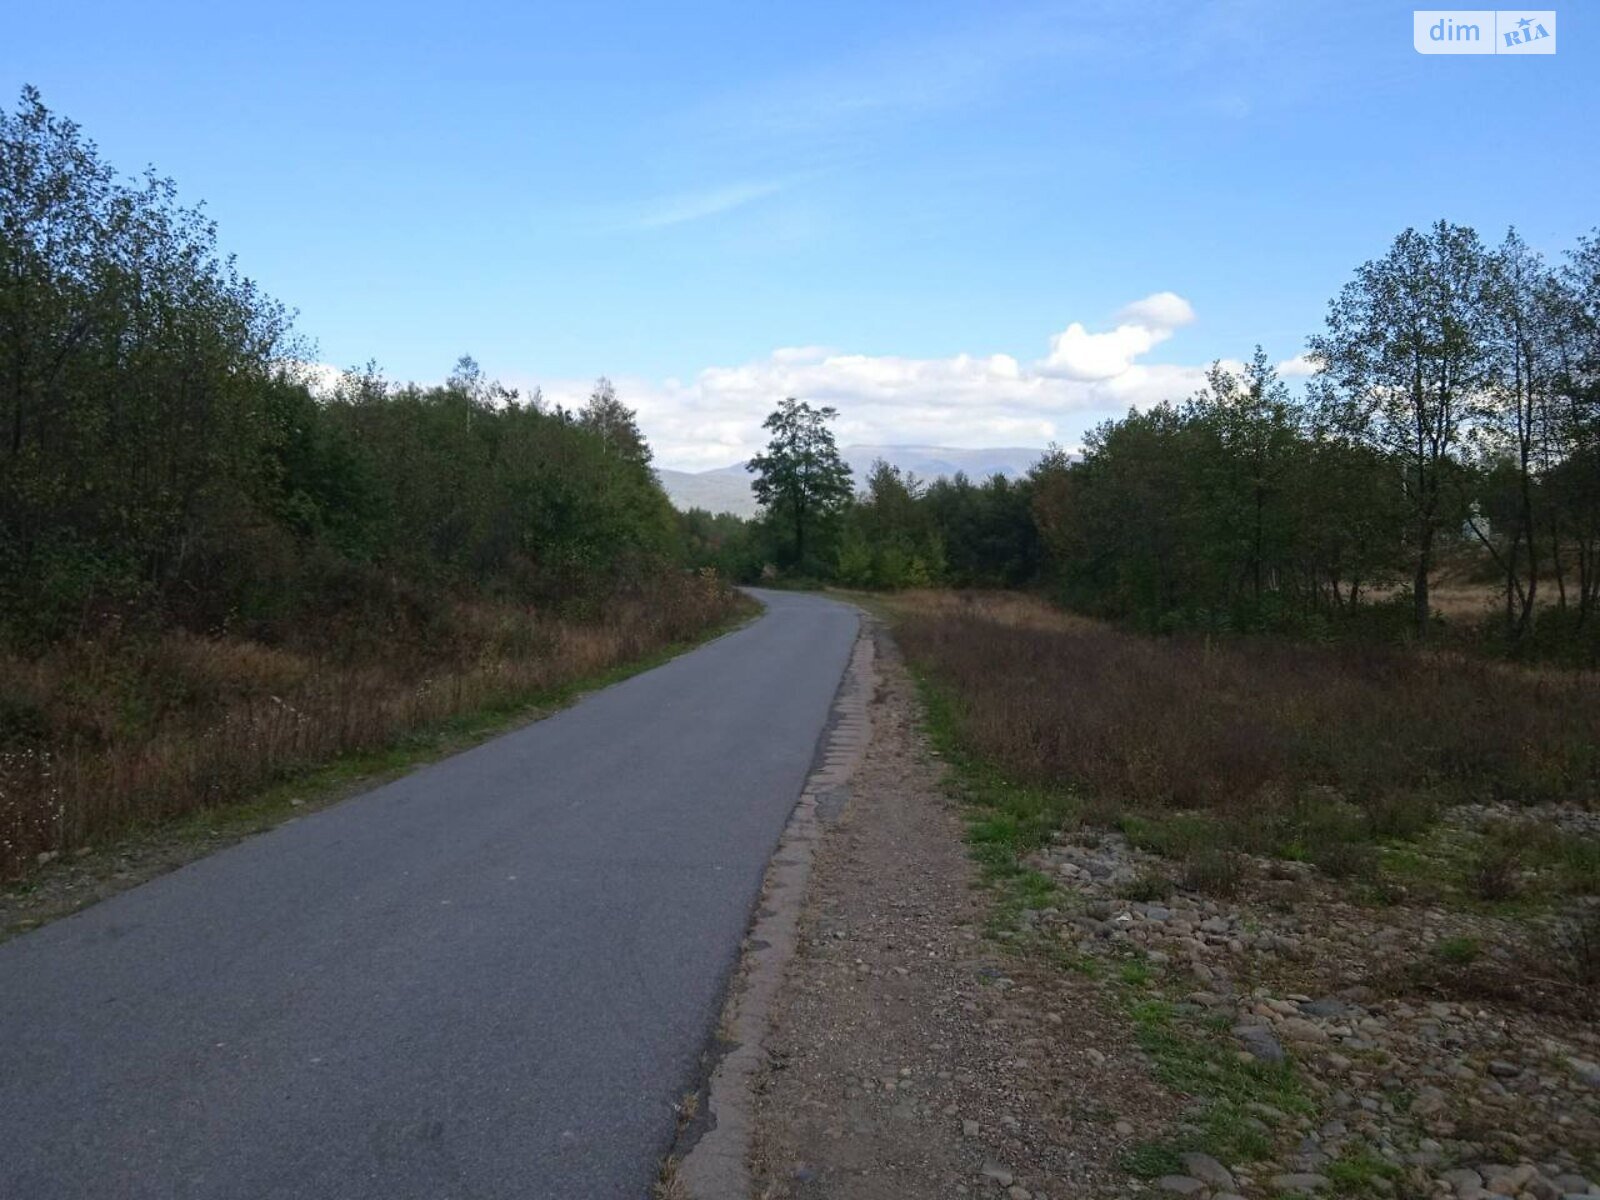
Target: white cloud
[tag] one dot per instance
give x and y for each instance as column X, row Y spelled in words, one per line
column 1160, row 310
column 1075, row 353
column 968, row 400
column 964, row 400
column 1299, row 367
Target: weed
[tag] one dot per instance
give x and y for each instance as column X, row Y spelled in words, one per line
column 1345, row 860
column 1496, row 871
column 1363, row 1173
column 1146, row 888
column 1458, row 951
column 1150, row 1160
column 1577, row 945
column 1219, row 873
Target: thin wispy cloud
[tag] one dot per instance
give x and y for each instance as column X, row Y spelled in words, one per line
column 697, row 206
column 902, row 81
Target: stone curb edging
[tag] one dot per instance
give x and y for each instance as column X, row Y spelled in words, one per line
column 716, row 1167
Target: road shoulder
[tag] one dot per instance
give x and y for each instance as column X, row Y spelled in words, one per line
column 906, row 1055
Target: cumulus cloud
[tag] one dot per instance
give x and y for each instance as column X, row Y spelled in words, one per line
column 1075, row 353
column 971, row 400
column 964, row 400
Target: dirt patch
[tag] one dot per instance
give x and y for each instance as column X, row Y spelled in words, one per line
column 908, row 1054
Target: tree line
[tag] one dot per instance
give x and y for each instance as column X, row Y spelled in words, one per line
column 164, row 459
column 1454, row 410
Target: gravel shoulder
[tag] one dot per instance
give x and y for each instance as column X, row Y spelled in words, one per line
column 910, row 1056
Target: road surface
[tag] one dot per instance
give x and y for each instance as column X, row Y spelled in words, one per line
column 491, row 978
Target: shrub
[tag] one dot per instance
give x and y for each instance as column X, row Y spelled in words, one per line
column 1345, row 860
column 1576, row 943
column 1146, row 888
column 1496, row 871
column 1216, row 873
column 1458, row 951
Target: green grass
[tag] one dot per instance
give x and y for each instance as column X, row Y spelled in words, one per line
column 1198, row 1059
column 1134, row 974
column 1360, row 1174
column 1150, row 1160
column 1459, row 951
column 1005, row 822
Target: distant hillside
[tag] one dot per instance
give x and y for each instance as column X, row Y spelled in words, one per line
column 727, row 489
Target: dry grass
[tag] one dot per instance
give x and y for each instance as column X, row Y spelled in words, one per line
column 1301, row 749
column 98, row 736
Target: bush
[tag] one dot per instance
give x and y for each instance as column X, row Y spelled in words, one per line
column 1220, row 873
column 1496, row 871
column 1147, row 888
column 1577, row 945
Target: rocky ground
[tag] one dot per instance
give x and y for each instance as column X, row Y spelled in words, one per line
column 1471, row 1097
column 1115, row 1034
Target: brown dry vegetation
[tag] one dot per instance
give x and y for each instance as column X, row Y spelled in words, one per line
column 1252, row 729
column 1403, row 776
column 103, row 734
column 1249, row 833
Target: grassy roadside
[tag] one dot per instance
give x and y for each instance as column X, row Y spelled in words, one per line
column 142, row 850
column 1188, row 1052
column 1350, row 922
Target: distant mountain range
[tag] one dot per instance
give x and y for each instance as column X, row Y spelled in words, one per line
column 727, row 489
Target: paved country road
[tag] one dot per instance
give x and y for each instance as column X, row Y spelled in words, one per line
column 491, row 978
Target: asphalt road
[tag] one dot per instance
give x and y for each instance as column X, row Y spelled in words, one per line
column 491, row 978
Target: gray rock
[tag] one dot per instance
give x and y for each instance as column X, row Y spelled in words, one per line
column 969, row 1128
column 1180, row 1185
column 1328, row 1006
column 1258, row 1040
column 994, row 1171
column 1302, row 1183
column 1461, row 1178
column 1208, row 1169
column 1588, row 1073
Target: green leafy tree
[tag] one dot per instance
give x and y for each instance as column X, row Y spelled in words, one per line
column 1404, row 355
column 615, row 422
column 801, row 481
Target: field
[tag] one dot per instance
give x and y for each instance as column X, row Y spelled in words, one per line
column 1345, row 894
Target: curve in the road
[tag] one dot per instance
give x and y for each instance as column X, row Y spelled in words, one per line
column 491, row 978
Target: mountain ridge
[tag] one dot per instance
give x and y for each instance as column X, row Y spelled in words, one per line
column 727, row 489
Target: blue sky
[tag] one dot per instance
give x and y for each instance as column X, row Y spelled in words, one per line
column 891, row 207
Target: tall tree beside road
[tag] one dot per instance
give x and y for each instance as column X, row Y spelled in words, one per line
column 801, row 480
